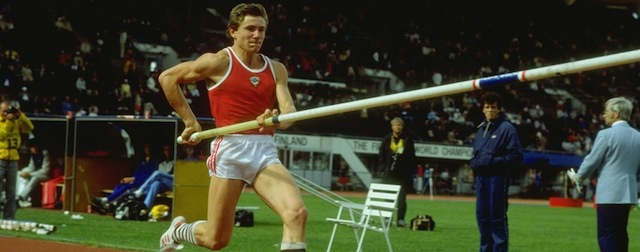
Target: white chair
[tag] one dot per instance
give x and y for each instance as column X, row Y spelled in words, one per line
column 376, row 214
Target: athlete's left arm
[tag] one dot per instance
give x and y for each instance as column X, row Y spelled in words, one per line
column 285, row 101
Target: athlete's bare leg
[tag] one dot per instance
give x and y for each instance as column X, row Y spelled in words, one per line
column 277, row 188
column 224, row 194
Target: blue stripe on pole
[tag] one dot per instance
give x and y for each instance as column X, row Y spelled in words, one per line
column 452, row 88
column 498, row 79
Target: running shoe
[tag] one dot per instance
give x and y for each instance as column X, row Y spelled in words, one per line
column 167, row 243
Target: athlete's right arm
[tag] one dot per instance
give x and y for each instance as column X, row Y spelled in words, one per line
column 205, row 68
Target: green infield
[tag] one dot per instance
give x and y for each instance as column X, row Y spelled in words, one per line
column 533, row 227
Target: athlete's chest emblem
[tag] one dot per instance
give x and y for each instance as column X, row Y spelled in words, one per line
column 255, row 80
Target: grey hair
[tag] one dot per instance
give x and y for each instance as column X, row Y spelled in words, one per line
column 621, row 105
column 397, row 120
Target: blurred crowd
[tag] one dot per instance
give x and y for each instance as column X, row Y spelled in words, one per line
column 79, row 58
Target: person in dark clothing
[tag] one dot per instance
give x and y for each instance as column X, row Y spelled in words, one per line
column 496, row 150
column 397, row 159
column 146, row 166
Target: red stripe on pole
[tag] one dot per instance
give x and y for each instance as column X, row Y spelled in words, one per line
column 523, row 77
column 425, row 93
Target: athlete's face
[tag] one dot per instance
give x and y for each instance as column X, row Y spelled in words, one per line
column 250, row 34
column 491, row 111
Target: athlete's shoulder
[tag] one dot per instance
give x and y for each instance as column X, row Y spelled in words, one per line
column 221, row 55
column 212, row 62
column 278, row 67
column 275, row 62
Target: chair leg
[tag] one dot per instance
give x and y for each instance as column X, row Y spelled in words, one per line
column 357, row 235
column 360, row 240
column 333, row 234
column 386, row 223
column 386, row 235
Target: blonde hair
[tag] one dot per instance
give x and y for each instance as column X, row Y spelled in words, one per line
column 397, row 120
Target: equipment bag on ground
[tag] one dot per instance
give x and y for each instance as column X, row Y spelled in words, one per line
column 423, row 222
column 244, row 218
column 131, row 208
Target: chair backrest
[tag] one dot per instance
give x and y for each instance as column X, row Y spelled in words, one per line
column 381, row 195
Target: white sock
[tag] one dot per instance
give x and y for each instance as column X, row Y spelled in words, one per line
column 293, row 246
column 186, row 232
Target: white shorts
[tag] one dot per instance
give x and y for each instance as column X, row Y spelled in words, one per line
column 241, row 156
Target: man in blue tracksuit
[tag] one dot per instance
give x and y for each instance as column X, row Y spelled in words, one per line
column 496, row 149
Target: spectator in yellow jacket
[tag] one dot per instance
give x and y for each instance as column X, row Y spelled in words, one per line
column 13, row 123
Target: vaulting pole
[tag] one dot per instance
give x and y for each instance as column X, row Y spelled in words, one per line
column 425, row 93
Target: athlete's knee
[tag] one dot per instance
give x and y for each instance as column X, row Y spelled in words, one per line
column 295, row 216
column 214, row 243
column 214, row 239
